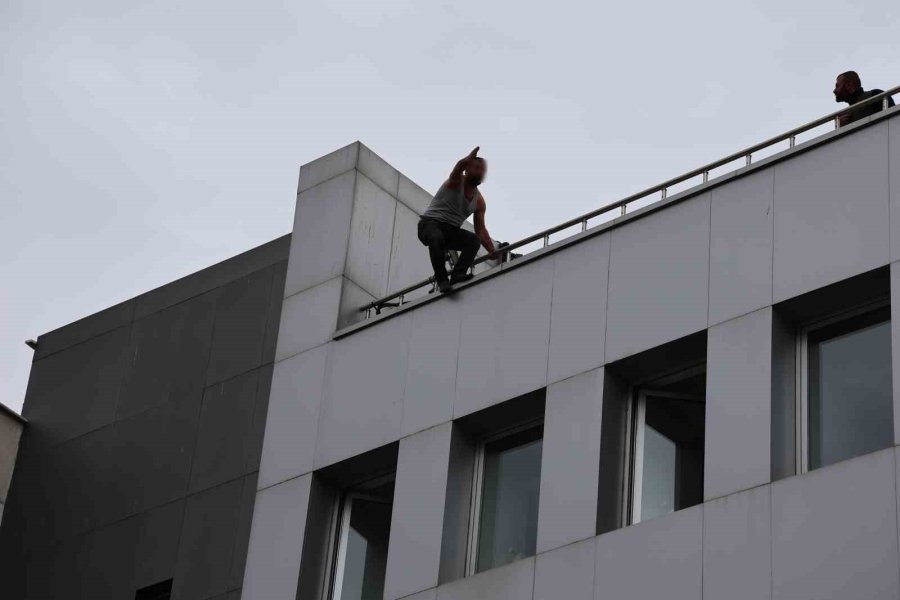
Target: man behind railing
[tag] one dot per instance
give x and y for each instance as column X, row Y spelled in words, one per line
column 441, row 225
column 848, row 88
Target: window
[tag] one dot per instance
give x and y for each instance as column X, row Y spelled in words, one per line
column 668, row 427
column 845, row 398
column 362, row 541
column 157, row 591
column 505, row 508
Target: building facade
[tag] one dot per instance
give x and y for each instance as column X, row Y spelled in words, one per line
column 692, row 400
column 10, row 432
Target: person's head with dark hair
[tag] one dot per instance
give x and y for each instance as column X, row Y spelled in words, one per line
column 847, row 87
column 476, row 171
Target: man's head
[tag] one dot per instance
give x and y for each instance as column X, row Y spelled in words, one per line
column 847, row 86
column 476, row 171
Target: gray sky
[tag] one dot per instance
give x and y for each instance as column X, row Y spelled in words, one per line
column 141, row 141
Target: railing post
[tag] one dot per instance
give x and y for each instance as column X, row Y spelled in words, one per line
column 705, row 176
column 837, row 122
column 749, row 158
column 884, row 103
column 792, row 141
column 584, row 225
column 664, row 192
column 623, row 210
column 546, row 240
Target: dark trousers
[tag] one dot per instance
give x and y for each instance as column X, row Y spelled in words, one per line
column 440, row 237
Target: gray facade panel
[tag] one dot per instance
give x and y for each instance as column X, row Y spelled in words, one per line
column 514, row 581
column 293, row 417
column 658, row 280
column 156, row 546
column 578, row 314
column 566, row 572
column 832, row 213
column 834, row 532
column 414, row 553
column 737, row 546
column 276, row 540
column 740, row 249
column 503, row 341
column 242, row 531
column 737, row 452
column 326, row 167
column 430, row 387
column 570, row 461
column 363, row 400
column 894, row 183
column 661, row 558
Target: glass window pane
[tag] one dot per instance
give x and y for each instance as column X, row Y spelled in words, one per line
column 509, row 503
column 365, row 555
column 658, row 482
column 850, row 397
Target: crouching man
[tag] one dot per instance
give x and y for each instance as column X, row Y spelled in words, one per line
column 440, row 227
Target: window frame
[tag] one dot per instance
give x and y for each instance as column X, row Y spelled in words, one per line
column 801, row 401
column 340, row 530
column 636, row 426
column 478, row 486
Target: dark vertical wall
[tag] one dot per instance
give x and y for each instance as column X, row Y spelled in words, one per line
column 140, row 459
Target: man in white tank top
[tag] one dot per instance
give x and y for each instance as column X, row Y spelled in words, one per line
column 441, row 225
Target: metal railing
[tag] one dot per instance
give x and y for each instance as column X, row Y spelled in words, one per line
column 397, row 298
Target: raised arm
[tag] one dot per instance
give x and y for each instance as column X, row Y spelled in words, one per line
column 480, row 229
column 456, row 175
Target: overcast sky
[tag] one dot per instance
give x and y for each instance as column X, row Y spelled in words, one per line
column 142, row 141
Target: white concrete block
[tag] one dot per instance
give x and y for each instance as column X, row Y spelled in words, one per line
column 413, row 195
column 371, row 233
column 308, row 319
column 321, row 234
column 328, row 166
column 378, row 170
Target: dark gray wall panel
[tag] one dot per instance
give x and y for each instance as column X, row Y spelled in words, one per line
column 276, row 297
column 240, row 326
column 74, row 392
column 207, row 542
column 226, row 424
column 212, row 277
column 169, row 355
column 85, row 329
column 258, row 428
column 242, row 531
column 152, row 454
column 156, row 544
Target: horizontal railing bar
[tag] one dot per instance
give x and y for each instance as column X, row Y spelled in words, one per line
column 789, row 136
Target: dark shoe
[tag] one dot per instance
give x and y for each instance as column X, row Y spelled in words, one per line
column 456, row 278
column 444, row 286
